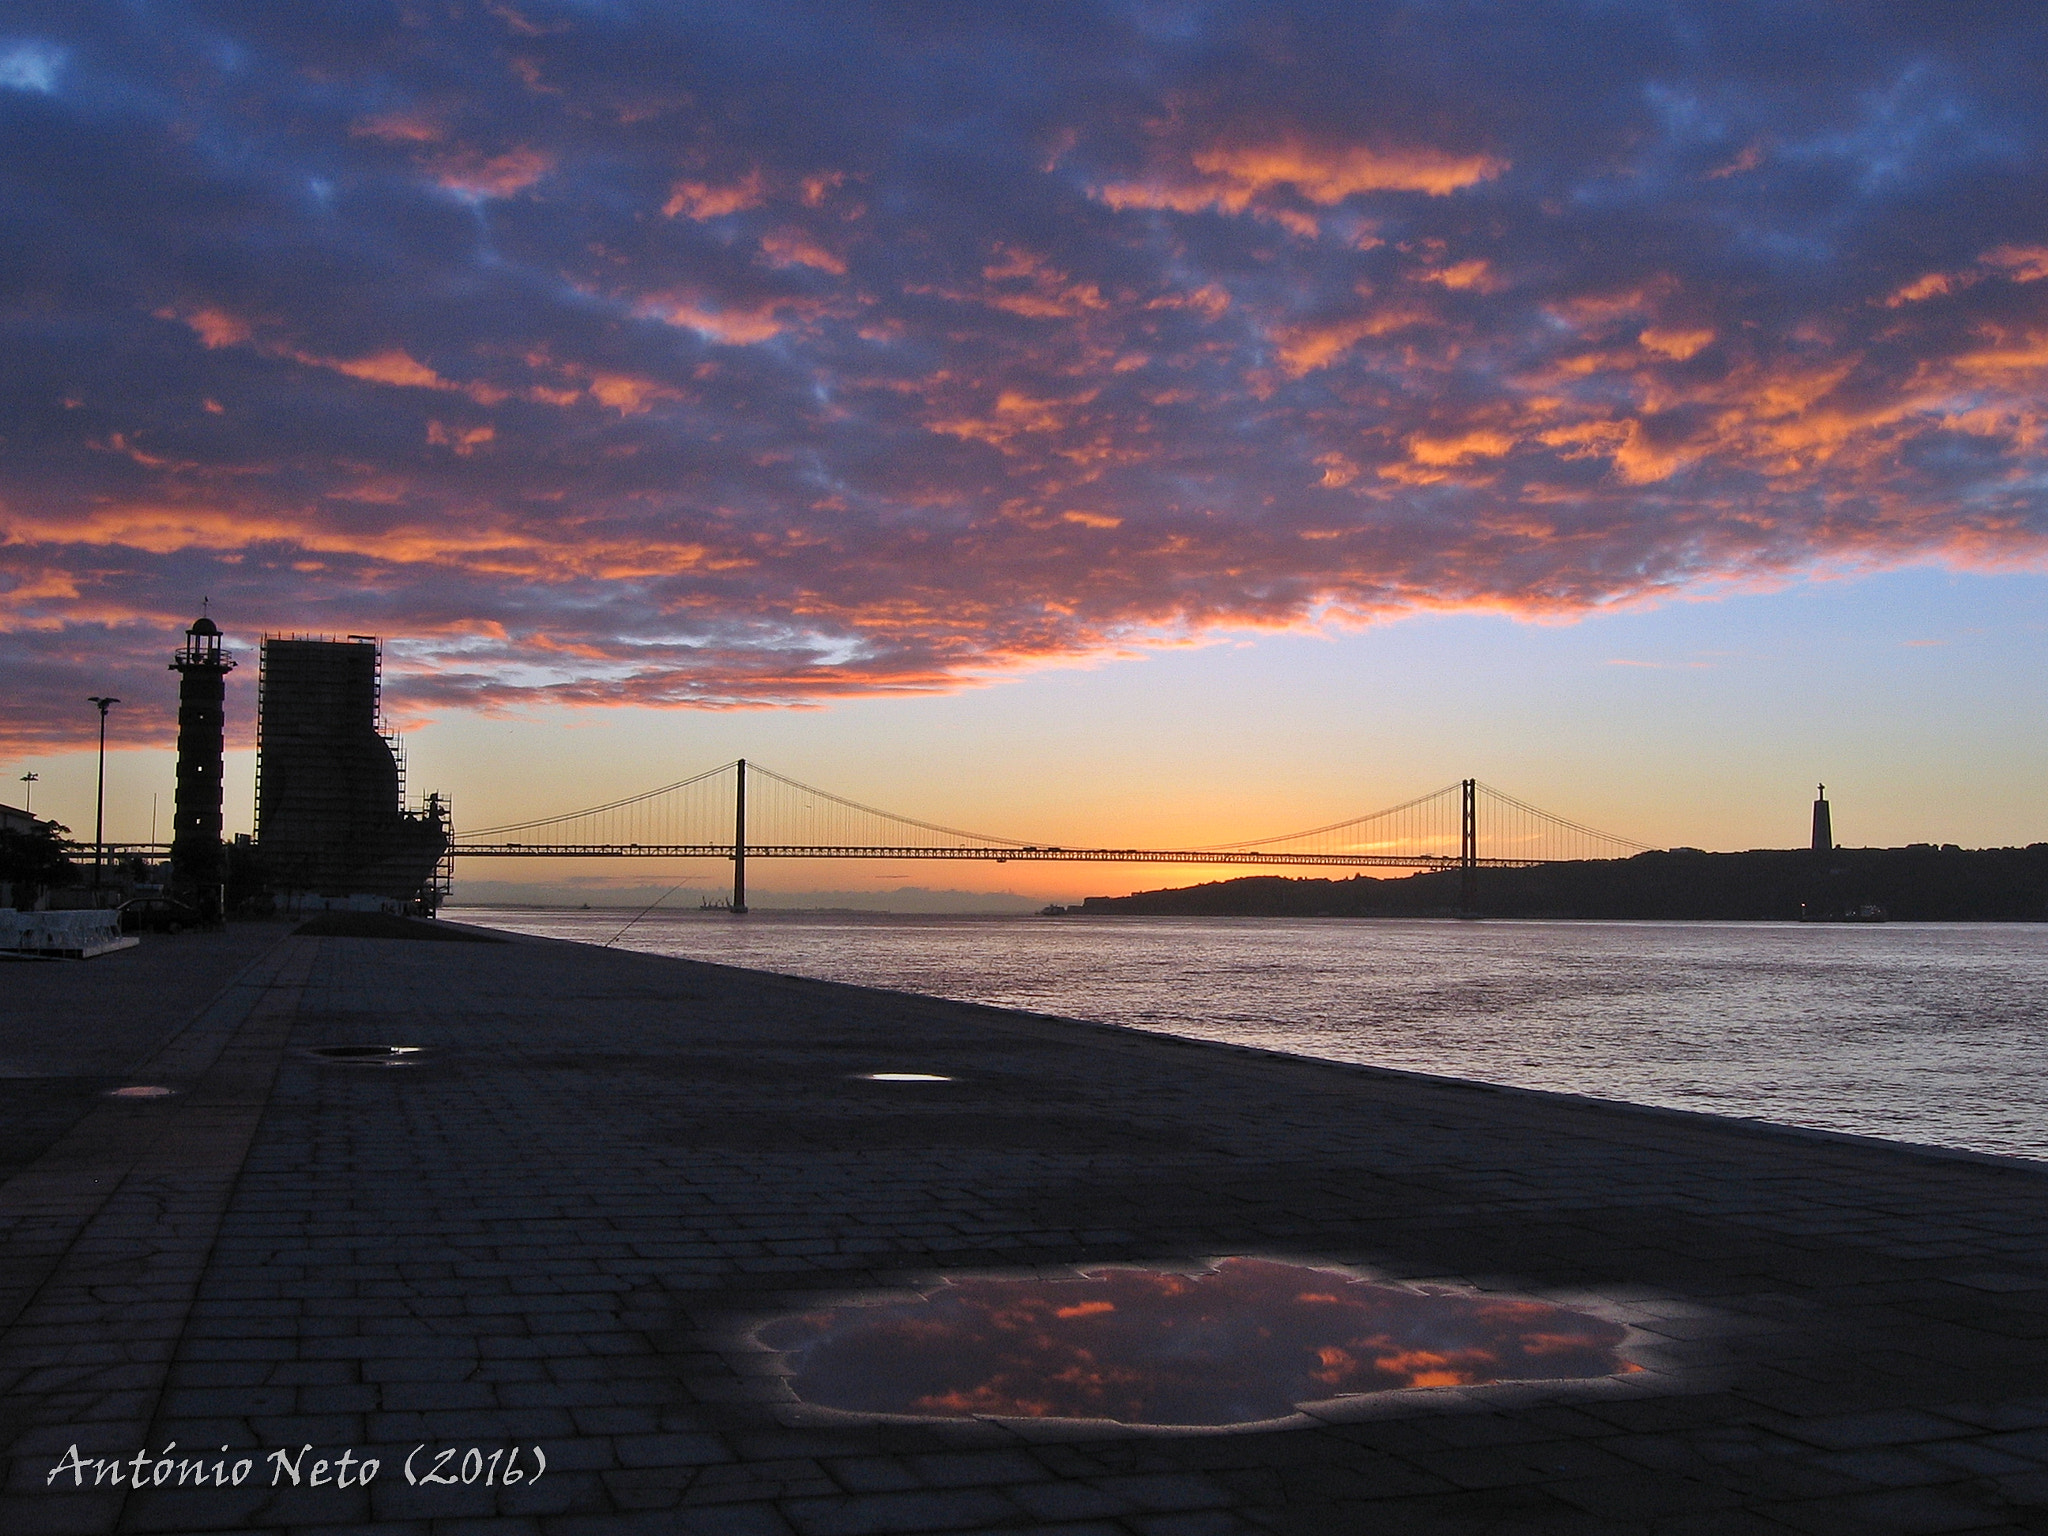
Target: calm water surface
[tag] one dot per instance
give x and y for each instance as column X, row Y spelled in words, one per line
column 1920, row 1032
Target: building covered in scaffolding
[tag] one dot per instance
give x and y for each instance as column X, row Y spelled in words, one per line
column 332, row 826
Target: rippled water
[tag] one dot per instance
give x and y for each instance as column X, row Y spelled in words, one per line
column 1920, row 1032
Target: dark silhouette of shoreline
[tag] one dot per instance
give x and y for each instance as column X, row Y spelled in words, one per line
column 1920, row 883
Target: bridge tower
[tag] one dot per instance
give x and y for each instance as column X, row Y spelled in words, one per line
column 1468, row 848
column 197, row 870
column 739, row 841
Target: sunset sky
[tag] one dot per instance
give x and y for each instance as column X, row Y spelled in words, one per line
column 1139, row 422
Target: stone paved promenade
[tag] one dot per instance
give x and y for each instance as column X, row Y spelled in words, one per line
column 543, row 1233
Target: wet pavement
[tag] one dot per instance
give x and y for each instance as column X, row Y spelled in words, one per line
column 524, row 1267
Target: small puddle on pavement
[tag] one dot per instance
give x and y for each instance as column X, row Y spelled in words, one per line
column 900, row 1077
column 367, row 1055
column 1245, row 1341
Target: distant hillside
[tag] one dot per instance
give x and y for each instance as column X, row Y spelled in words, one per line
column 1921, row 883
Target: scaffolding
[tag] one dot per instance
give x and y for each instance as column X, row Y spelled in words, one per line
column 332, row 819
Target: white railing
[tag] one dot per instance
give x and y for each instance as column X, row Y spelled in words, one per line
column 75, row 934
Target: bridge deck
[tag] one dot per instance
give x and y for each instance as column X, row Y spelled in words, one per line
column 1025, row 855
column 1021, row 855
column 539, row 1235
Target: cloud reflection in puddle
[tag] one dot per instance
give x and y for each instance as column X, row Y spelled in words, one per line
column 1243, row 1342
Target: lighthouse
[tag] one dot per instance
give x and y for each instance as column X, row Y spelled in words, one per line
column 197, row 872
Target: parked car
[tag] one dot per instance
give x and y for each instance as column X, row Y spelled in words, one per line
column 157, row 914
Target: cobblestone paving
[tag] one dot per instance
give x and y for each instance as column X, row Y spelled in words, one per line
column 551, row 1230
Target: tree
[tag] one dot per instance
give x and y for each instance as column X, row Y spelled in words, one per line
column 35, row 860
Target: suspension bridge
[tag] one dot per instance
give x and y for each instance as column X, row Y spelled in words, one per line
column 741, row 811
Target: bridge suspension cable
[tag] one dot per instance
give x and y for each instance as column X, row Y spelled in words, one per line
column 803, row 815
column 699, row 806
column 1432, row 826
column 1511, row 828
column 1426, row 824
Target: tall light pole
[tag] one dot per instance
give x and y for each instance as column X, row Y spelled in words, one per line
column 99, row 820
column 28, row 796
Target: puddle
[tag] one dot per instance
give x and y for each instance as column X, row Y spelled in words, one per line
column 901, row 1077
column 141, row 1091
column 367, row 1055
column 1245, row 1341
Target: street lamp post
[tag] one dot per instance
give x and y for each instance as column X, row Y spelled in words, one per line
column 28, row 796
column 99, row 820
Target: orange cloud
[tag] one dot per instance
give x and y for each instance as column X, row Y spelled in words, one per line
column 1233, row 176
column 1636, row 460
column 1026, row 284
column 1212, row 299
column 2009, row 352
column 1014, row 412
column 2021, row 263
column 702, row 200
column 792, row 247
column 1481, row 444
column 394, row 367
column 398, row 128
column 214, row 327
column 464, row 440
column 1750, row 157
column 629, row 394
column 1020, row 282
column 733, row 326
column 1639, row 461
column 1930, row 286
column 1338, row 470
column 1329, row 174
column 495, row 549
column 2015, row 263
column 493, row 176
column 1675, row 344
column 1317, row 344
column 1476, row 275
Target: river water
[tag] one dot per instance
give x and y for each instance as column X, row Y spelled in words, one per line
column 1931, row 1033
